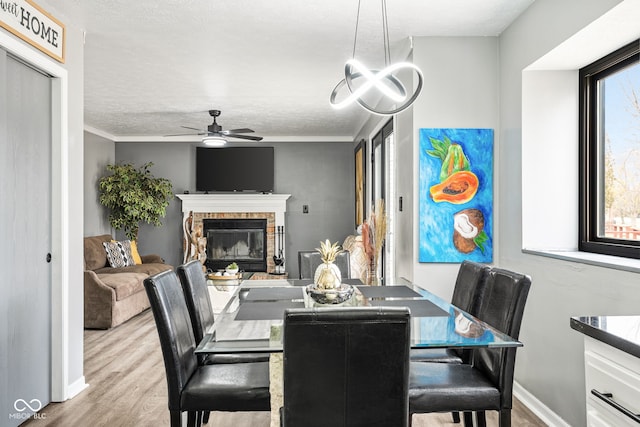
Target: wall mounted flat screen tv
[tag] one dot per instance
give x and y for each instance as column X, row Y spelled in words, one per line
column 234, row 169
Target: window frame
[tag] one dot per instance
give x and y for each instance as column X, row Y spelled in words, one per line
column 589, row 155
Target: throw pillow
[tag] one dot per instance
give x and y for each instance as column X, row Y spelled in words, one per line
column 135, row 253
column 119, row 253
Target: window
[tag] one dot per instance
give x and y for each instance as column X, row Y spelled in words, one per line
column 610, row 154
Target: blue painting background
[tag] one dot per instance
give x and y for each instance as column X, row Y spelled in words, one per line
column 436, row 219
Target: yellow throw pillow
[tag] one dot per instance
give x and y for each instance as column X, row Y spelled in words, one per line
column 134, row 253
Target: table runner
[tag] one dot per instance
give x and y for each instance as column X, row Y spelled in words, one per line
column 418, row 308
column 266, row 310
column 388, row 292
column 276, row 293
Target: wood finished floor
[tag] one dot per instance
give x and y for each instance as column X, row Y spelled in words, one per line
column 125, row 372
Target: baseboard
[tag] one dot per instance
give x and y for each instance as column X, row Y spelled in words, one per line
column 541, row 410
column 76, row 387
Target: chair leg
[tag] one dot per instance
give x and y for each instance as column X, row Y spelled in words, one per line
column 192, row 419
column 481, row 419
column 176, row 418
column 205, row 417
column 468, row 419
column 505, row 418
column 456, row 417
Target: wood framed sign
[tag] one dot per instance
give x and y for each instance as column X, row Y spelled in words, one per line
column 34, row 25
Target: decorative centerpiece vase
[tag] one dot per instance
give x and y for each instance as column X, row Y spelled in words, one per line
column 327, row 287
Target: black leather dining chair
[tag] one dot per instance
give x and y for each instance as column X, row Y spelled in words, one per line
column 196, row 293
column 198, row 301
column 308, row 262
column 467, row 295
column 346, row 367
column 486, row 383
column 194, row 388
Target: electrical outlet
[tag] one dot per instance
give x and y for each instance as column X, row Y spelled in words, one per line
column 305, row 209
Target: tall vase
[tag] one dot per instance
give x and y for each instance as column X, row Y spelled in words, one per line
column 373, row 274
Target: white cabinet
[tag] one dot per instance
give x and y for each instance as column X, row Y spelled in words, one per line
column 615, row 376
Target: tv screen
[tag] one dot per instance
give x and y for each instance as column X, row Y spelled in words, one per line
column 234, row 169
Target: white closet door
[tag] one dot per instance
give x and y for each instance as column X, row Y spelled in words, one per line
column 25, row 240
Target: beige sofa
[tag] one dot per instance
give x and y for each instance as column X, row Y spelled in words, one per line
column 114, row 295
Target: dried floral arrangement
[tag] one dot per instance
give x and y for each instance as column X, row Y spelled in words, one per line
column 374, row 231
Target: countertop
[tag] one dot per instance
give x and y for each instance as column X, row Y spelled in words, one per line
column 621, row 332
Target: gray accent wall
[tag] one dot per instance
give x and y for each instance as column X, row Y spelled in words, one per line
column 319, row 175
column 98, row 153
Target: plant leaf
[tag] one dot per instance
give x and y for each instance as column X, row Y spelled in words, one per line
column 480, row 240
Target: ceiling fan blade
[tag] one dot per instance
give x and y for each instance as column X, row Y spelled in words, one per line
column 242, row 130
column 186, row 134
column 252, row 138
column 189, row 127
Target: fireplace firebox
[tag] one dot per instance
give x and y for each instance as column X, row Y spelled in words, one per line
column 243, row 241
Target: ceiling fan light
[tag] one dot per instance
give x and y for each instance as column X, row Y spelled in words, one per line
column 214, row 141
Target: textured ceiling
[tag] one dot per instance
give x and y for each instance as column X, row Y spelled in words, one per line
column 152, row 67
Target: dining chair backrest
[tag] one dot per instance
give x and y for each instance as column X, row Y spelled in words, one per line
column 503, row 308
column 308, row 262
column 196, row 295
column 346, row 367
column 174, row 330
column 470, row 286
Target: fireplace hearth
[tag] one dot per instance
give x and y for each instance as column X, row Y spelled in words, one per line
column 243, row 241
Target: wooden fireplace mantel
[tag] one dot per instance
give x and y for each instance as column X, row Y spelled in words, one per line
column 232, row 202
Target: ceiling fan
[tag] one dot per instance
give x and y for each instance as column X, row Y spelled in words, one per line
column 215, row 136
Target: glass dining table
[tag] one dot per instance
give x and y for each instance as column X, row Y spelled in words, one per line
column 252, row 319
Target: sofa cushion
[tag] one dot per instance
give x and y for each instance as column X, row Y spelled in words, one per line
column 148, row 269
column 94, row 254
column 125, row 284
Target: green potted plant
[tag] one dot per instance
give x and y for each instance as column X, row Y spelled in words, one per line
column 232, row 268
column 133, row 196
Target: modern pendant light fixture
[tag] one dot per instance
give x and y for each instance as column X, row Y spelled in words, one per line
column 359, row 80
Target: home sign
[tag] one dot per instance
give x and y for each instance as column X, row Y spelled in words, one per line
column 34, row 25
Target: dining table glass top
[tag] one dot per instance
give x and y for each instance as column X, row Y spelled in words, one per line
column 252, row 319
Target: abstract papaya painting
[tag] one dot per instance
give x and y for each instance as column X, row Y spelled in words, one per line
column 456, row 195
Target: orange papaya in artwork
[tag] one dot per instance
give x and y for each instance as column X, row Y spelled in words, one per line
column 458, row 188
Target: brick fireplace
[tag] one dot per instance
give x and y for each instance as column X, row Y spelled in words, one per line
column 198, row 207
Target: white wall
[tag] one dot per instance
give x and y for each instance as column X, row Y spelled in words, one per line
column 460, row 91
column 75, row 205
column 550, row 366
